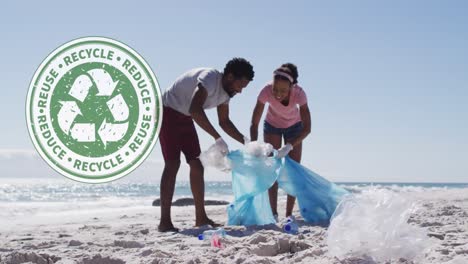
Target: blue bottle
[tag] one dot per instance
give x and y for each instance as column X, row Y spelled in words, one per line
column 290, row 225
column 207, row 234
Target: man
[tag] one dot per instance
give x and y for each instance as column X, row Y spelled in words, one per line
column 184, row 102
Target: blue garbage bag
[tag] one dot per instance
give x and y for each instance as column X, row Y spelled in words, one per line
column 252, row 176
column 317, row 197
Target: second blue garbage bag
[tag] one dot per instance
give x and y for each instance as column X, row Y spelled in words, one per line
column 317, row 197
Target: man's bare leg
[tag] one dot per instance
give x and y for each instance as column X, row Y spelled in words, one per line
column 197, row 185
column 167, row 187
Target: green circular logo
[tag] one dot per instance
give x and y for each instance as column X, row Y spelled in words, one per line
column 94, row 109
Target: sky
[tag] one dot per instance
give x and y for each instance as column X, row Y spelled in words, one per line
column 386, row 81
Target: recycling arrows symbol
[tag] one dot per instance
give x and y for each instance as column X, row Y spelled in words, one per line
column 86, row 132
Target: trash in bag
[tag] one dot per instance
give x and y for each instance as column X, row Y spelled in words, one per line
column 259, row 149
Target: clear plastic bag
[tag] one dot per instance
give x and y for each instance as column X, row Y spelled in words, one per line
column 213, row 157
column 374, row 223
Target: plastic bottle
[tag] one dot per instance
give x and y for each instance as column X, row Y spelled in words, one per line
column 290, row 225
column 209, row 233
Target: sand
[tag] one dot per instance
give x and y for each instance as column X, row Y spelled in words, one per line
column 129, row 235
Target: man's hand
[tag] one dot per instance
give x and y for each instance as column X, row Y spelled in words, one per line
column 222, row 146
column 283, row 151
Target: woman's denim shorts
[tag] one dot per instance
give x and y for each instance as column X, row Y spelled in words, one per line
column 287, row 133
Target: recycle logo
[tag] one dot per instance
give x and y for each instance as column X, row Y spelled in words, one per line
column 94, row 110
column 85, row 132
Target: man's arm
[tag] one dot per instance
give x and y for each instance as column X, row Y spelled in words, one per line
column 256, row 116
column 198, row 113
column 226, row 124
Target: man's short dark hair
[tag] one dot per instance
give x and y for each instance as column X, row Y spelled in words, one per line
column 240, row 68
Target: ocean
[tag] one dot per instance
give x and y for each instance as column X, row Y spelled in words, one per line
column 49, row 201
column 33, row 191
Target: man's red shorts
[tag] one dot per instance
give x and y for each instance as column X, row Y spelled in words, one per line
column 177, row 135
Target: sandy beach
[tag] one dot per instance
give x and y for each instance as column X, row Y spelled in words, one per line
column 129, row 235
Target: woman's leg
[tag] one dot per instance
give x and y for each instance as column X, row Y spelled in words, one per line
column 296, row 155
column 275, row 141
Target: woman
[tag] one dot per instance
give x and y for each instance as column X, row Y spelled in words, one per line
column 288, row 118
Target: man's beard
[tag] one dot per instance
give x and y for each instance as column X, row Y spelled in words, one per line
column 232, row 93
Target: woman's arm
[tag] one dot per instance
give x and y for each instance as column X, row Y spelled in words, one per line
column 305, row 117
